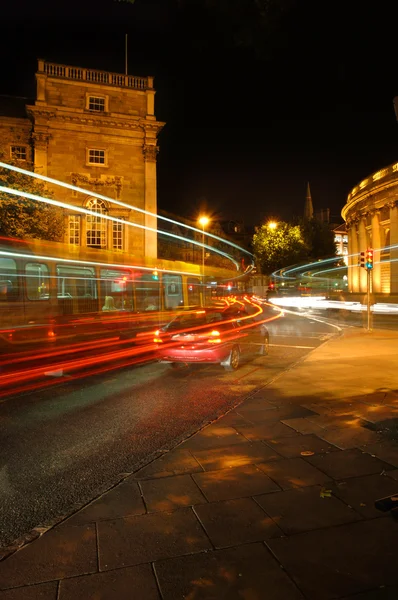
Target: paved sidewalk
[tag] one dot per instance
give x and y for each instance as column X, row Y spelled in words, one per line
column 274, row 501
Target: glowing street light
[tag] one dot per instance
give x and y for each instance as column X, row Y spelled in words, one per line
column 203, row 221
column 272, row 225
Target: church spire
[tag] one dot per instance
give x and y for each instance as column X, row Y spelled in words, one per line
column 308, row 209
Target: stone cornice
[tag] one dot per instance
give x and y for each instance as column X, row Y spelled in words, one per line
column 113, row 122
column 92, row 121
column 153, row 127
column 40, row 112
column 369, row 196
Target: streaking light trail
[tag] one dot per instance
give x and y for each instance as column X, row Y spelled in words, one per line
column 86, row 211
column 123, row 204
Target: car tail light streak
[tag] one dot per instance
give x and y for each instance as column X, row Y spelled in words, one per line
column 157, row 339
column 214, row 337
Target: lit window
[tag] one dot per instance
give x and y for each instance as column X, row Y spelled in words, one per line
column 337, row 238
column 96, row 157
column 96, row 225
column 345, row 239
column 96, row 103
column 74, row 229
column 117, row 235
column 18, row 152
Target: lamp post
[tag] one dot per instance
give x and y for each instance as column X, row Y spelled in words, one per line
column 203, row 221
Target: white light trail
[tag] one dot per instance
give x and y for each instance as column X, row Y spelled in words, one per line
column 15, row 192
column 119, row 203
column 320, row 303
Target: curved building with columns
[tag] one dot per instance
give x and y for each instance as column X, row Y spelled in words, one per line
column 371, row 215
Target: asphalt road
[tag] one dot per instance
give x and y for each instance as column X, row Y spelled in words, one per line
column 63, row 445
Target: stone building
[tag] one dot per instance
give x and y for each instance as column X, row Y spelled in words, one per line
column 96, row 130
column 371, row 215
column 341, row 241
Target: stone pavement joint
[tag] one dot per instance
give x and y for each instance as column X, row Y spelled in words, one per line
column 274, row 500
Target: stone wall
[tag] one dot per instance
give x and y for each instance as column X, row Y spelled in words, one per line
column 16, row 132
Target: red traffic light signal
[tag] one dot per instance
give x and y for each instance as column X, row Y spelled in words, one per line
column 369, row 258
column 362, row 260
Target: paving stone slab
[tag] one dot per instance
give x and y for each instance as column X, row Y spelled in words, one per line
column 332, row 421
column 213, row 436
column 121, row 584
column 293, row 472
column 43, row 591
column 362, row 492
column 257, row 401
column 303, row 509
column 348, row 463
column 352, row 437
column 61, row 552
column 258, row 415
column 266, row 431
column 135, row 540
column 385, row 450
column 175, row 462
column 227, row 484
column 384, row 593
column 238, row 455
column 169, row 493
column 341, row 561
column 292, row 447
column 246, row 572
column 393, row 474
column 318, row 407
column 302, row 425
column 122, row 501
column 375, row 414
column 233, row 522
column 233, row 418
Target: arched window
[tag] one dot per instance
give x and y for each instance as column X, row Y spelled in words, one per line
column 96, row 225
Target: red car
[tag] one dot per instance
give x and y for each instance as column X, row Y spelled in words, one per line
column 213, row 335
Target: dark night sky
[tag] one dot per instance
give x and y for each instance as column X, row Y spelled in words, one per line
column 247, row 127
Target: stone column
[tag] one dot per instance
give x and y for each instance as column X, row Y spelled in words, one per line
column 40, row 144
column 353, row 271
column 150, row 153
column 394, row 251
column 362, row 248
column 376, row 243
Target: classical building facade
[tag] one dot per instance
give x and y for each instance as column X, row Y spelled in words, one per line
column 96, row 130
column 341, row 241
column 371, row 215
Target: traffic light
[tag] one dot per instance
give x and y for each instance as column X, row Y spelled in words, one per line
column 362, row 260
column 155, row 275
column 369, row 258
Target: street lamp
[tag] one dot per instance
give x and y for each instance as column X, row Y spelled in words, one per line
column 272, row 225
column 203, row 221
